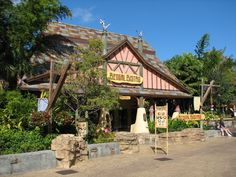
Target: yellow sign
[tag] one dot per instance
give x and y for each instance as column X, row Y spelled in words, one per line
column 187, row 117
column 124, row 97
column 161, row 116
column 124, row 78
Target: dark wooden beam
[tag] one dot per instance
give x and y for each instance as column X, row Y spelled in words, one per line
column 60, row 83
column 207, row 92
column 124, row 63
column 40, row 76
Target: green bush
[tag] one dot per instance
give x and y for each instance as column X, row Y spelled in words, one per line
column 174, row 125
column 16, row 141
column 16, row 109
column 210, row 116
column 151, row 126
column 104, row 137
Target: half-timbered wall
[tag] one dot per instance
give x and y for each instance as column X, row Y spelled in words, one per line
column 125, row 61
column 153, row 80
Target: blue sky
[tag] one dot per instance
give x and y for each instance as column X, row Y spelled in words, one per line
column 171, row 27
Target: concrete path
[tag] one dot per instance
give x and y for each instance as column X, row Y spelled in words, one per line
column 214, row 158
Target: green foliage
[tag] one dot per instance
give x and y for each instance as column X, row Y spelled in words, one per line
column 16, row 109
column 193, row 124
column 40, row 118
column 91, row 81
column 207, row 65
column 202, row 44
column 210, row 116
column 21, row 32
column 151, row 126
column 98, row 134
column 174, row 125
column 63, row 118
column 219, row 68
column 64, row 122
column 104, row 137
column 177, row 125
column 17, row 141
column 91, row 131
column 188, row 69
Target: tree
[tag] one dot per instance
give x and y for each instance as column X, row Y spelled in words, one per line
column 207, row 65
column 220, row 68
column 202, row 44
column 89, row 91
column 187, row 69
column 21, row 32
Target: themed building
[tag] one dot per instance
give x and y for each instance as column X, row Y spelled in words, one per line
column 131, row 64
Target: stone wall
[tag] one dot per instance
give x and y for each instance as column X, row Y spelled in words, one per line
column 212, row 133
column 25, row 162
column 128, row 142
column 69, row 149
column 189, row 135
column 103, row 149
column 229, row 123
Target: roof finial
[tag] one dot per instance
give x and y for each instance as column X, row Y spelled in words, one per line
column 104, row 26
column 140, row 34
column 140, row 41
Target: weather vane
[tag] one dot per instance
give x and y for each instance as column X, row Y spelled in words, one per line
column 140, row 34
column 104, row 26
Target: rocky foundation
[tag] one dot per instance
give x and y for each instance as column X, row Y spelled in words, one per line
column 69, row 150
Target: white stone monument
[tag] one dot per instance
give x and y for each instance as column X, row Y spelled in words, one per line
column 141, row 124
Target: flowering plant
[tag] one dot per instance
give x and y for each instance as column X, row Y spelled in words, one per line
column 103, row 135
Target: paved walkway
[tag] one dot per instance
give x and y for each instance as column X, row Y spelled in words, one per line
column 214, row 158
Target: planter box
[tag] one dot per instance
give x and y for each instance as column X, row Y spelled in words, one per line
column 18, row 163
column 103, row 149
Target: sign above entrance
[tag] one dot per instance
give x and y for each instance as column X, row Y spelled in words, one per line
column 124, row 78
column 122, row 97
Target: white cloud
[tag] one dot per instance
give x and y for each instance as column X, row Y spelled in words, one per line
column 84, row 14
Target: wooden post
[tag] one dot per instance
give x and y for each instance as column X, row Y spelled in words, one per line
column 59, row 86
column 50, row 94
column 161, row 121
column 167, row 133
column 155, row 130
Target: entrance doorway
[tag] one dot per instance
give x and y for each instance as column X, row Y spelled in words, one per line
column 123, row 117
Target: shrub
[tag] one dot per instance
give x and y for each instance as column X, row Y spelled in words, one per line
column 209, row 116
column 16, row 109
column 151, row 126
column 99, row 134
column 40, row 118
column 16, row 141
column 174, row 125
column 64, row 118
column 104, row 137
